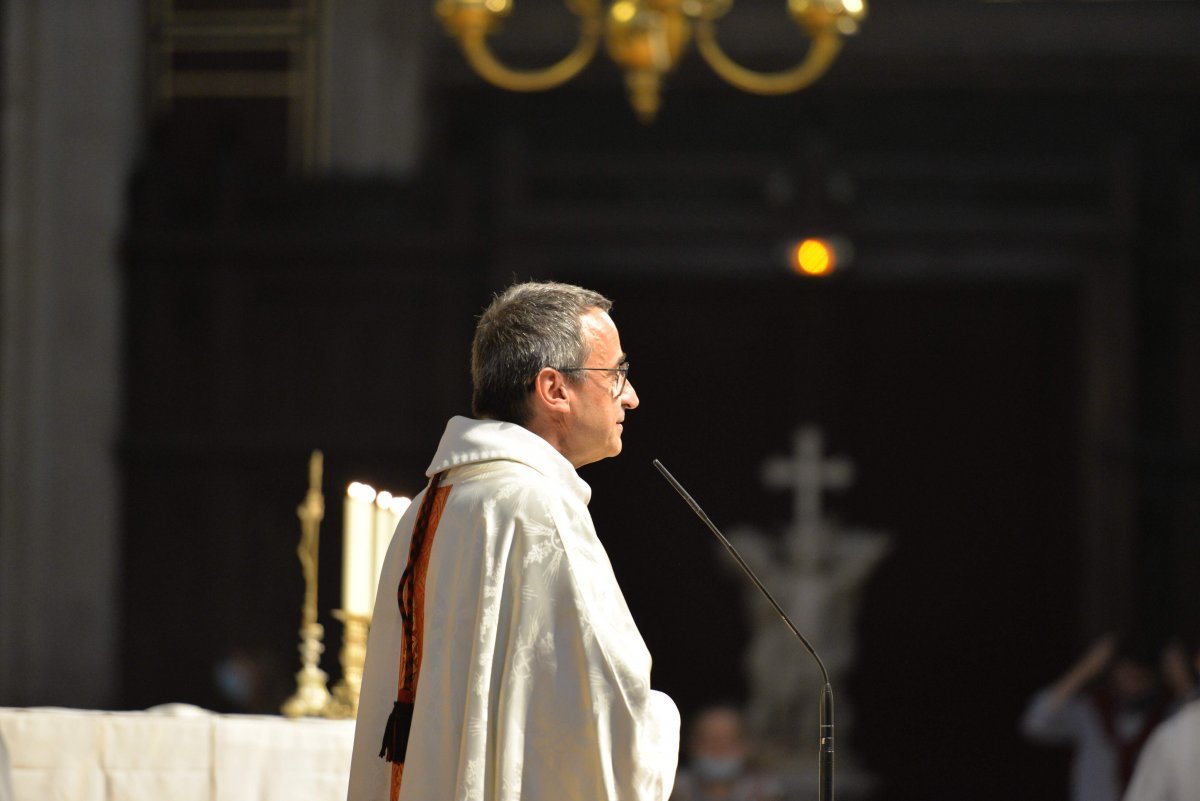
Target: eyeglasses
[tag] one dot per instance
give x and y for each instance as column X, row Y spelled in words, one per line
column 619, row 380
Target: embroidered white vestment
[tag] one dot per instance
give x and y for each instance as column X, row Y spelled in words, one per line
column 534, row 681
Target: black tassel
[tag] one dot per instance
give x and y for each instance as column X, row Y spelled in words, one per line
column 395, row 734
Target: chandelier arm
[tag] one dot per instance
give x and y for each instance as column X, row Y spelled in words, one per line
column 826, row 43
column 484, row 61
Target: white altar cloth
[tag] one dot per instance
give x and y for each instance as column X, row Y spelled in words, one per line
column 174, row 754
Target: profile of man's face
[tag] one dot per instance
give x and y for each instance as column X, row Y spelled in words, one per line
column 596, row 420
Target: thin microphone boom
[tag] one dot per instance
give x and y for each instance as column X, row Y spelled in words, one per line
column 825, row 763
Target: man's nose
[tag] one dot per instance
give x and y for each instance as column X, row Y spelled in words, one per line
column 629, row 398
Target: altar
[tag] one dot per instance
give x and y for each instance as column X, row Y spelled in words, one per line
column 174, row 753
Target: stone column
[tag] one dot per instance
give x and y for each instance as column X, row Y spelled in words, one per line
column 71, row 76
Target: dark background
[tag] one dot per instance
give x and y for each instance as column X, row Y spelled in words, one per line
column 1010, row 358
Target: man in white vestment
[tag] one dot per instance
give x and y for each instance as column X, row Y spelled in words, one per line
column 503, row 662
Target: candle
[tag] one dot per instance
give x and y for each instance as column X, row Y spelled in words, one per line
column 399, row 506
column 385, row 525
column 358, row 555
column 389, row 509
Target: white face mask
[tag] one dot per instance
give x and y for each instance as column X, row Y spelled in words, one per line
column 716, row 769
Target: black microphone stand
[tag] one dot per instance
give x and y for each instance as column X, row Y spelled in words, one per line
column 825, row 758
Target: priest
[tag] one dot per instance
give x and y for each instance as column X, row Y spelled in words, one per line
column 503, row 662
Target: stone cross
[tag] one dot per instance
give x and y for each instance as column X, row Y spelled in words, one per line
column 808, row 474
column 817, row 573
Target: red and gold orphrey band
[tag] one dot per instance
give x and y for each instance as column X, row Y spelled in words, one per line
column 411, row 598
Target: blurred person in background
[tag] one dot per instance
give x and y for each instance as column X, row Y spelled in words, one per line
column 1105, row 706
column 720, row 762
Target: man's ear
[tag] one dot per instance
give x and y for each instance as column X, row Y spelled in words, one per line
column 550, row 390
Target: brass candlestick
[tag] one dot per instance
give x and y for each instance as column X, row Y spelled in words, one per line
column 312, row 696
column 353, row 655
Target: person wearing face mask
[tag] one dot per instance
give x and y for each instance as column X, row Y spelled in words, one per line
column 720, row 764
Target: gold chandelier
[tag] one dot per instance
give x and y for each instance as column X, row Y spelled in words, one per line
column 646, row 38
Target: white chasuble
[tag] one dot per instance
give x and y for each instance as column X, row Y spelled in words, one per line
column 534, row 682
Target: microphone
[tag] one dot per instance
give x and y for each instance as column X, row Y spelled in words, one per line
column 825, row 754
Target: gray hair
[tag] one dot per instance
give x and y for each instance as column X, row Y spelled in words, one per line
column 525, row 328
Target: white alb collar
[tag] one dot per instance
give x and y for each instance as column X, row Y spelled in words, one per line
column 468, row 441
